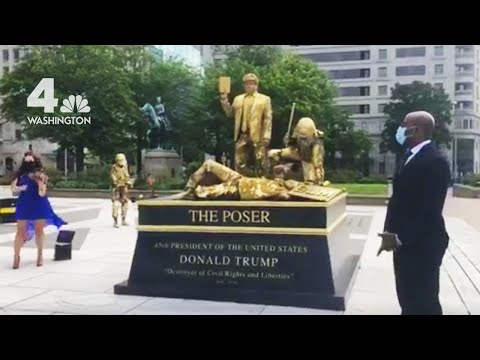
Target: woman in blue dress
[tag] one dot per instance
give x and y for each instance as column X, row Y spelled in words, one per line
column 33, row 210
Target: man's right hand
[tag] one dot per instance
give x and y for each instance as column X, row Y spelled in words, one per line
column 390, row 242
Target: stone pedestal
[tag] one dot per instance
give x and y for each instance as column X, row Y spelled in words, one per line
column 260, row 252
column 162, row 164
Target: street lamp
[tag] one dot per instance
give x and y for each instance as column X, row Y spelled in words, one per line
column 454, row 160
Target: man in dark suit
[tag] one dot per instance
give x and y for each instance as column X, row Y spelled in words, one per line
column 414, row 226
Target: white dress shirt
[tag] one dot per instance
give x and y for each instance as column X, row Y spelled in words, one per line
column 415, row 150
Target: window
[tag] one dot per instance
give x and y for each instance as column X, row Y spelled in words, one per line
column 410, row 70
column 357, row 109
column 6, row 69
column 467, row 124
column 438, row 69
column 5, row 55
column 354, row 91
column 381, row 168
column 16, row 54
column 382, row 72
column 18, row 134
column 438, row 86
column 381, row 108
column 349, row 74
column 9, row 164
column 339, row 56
column 410, row 52
column 438, row 50
column 382, row 54
column 382, row 90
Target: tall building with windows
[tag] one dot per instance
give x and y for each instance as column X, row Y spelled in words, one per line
column 12, row 140
column 365, row 74
column 190, row 54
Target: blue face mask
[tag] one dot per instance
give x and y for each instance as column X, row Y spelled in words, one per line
column 400, row 136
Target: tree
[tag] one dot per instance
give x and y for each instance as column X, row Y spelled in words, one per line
column 116, row 80
column 286, row 78
column 413, row 97
column 175, row 82
column 87, row 70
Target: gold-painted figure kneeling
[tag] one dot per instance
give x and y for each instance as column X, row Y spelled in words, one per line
column 306, row 147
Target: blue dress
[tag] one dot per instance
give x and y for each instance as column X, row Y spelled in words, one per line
column 31, row 206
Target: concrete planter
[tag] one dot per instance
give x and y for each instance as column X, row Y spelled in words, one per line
column 465, row 191
column 367, row 200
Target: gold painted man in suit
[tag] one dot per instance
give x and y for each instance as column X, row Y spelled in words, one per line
column 252, row 112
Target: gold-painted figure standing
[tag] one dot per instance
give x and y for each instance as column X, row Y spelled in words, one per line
column 252, row 112
column 120, row 179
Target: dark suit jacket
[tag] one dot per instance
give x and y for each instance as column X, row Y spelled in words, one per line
column 415, row 208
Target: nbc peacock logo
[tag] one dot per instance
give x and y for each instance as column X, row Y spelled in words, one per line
column 75, row 101
column 73, row 104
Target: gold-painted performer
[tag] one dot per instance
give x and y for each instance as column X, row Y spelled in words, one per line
column 306, row 146
column 120, row 182
column 226, row 183
column 253, row 123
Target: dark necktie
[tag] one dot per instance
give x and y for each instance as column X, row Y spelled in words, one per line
column 403, row 161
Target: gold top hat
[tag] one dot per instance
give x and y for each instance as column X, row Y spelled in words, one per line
column 250, row 77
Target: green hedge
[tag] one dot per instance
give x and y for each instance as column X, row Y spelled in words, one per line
column 141, row 184
column 75, row 184
column 346, row 176
column 342, row 176
column 473, row 180
column 373, row 180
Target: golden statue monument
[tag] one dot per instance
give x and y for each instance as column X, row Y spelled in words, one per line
column 252, row 112
column 215, row 181
column 306, row 146
column 120, row 182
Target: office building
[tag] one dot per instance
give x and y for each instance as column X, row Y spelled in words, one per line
column 365, row 74
column 189, row 54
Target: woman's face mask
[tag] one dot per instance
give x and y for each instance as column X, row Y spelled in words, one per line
column 29, row 165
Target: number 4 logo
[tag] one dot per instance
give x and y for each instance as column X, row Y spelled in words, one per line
column 48, row 102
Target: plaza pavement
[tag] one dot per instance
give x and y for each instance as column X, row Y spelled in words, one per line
column 102, row 257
